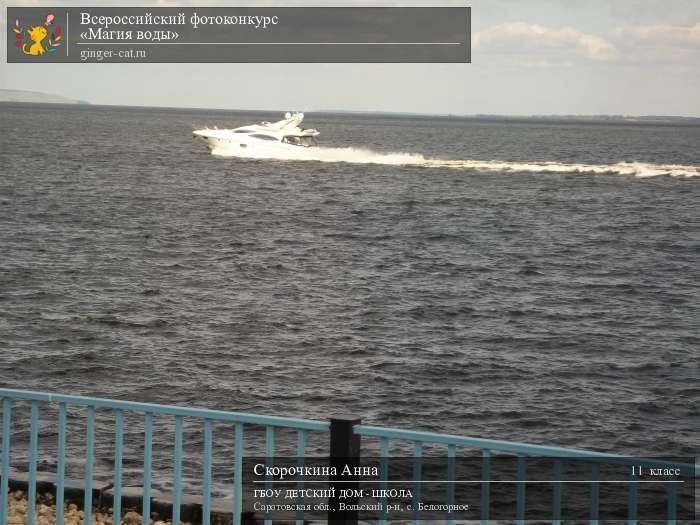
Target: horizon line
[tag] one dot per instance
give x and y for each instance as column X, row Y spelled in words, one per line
column 619, row 116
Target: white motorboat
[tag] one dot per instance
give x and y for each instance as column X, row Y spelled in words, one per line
column 285, row 138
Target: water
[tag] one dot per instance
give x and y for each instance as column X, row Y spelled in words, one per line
column 447, row 292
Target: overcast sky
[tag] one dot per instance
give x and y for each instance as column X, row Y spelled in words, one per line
column 633, row 57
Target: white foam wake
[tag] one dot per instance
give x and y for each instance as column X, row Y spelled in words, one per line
column 366, row 156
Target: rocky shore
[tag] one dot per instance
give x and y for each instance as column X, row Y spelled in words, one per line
column 72, row 515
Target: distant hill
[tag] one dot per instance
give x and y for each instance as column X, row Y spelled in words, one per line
column 19, row 95
column 614, row 119
column 652, row 119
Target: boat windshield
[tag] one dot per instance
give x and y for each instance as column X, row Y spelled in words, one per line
column 299, row 141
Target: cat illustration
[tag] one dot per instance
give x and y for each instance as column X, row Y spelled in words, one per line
column 36, row 34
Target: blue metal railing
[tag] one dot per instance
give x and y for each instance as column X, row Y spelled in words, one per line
column 38, row 401
column 148, row 410
column 522, row 451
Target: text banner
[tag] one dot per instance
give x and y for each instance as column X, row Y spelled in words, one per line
column 238, row 34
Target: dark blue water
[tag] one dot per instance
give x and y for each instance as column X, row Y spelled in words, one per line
column 553, row 308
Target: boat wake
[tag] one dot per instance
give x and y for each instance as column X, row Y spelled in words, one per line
column 366, row 156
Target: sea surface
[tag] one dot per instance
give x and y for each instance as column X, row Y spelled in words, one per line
column 525, row 281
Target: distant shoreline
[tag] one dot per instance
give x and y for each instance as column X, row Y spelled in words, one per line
column 532, row 119
column 21, row 96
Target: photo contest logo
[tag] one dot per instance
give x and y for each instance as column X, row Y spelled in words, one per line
column 36, row 40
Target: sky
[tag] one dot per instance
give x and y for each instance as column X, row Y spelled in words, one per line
column 529, row 57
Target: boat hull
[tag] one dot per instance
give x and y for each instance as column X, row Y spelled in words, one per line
column 253, row 149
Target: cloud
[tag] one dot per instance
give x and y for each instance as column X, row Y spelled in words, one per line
column 532, row 45
column 685, row 37
column 675, row 46
column 516, row 38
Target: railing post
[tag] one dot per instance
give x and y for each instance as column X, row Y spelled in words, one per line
column 344, row 449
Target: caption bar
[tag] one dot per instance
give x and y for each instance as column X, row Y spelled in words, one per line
column 500, row 487
column 238, row 35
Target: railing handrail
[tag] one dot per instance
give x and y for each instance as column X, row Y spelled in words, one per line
column 688, row 469
column 153, row 408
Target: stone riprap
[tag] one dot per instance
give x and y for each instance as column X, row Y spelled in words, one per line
column 72, row 515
